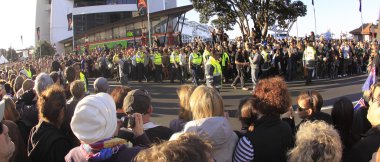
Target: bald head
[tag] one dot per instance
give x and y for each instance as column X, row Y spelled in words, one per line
column 101, row 85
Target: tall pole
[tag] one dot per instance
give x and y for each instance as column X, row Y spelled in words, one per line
column 149, row 35
column 40, row 50
column 315, row 21
column 297, row 26
column 361, row 17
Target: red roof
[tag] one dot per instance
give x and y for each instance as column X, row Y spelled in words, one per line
column 366, row 29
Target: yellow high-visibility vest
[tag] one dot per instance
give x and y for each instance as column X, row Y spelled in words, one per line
column 157, row 58
column 83, row 79
column 196, row 59
column 140, row 57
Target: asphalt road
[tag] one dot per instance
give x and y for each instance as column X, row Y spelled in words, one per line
column 165, row 100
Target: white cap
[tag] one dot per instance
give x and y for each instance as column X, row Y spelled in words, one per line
column 94, row 118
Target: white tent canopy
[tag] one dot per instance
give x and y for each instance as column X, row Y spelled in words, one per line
column 3, row 60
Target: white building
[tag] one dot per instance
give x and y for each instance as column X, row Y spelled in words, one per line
column 192, row 29
column 52, row 16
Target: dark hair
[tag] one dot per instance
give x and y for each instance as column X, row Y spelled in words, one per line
column 54, row 75
column 118, row 94
column 8, row 88
column 51, row 102
column 342, row 115
column 70, row 74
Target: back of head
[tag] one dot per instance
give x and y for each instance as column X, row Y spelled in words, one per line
column 70, row 74
column 27, row 85
column 184, row 92
column 137, row 101
column 18, row 83
column 101, row 85
column 51, row 104
column 94, row 118
column 10, row 112
column 319, row 100
column 316, row 141
column 187, row 148
column 206, row 102
column 342, row 114
column 273, row 95
column 54, row 75
column 118, row 94
column 42, row 82
column 77, row 89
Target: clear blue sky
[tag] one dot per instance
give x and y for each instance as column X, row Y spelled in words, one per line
column 337, row 15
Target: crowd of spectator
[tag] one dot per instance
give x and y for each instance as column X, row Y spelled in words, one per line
column 55, row 116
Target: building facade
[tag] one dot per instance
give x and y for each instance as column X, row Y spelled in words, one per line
column 76, row 24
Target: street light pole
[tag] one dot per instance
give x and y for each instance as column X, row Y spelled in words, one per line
column 149, row 34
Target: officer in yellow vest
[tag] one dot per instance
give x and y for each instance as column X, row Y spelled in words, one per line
column 174, row 66
column 266, row 63
column 140, row 60
column 206, row 54
column 27, row 71
column 157, row 65
column 195, row 62
column 308, row 58
column 81, row 76
column 214, row 71
column 225, row 61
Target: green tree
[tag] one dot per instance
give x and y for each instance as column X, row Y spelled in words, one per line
column 11, row 54
column 263, row 14
column 46, row 50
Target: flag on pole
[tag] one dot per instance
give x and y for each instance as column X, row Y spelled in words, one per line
column 360, row 5
column 361, row 103
column 38, row 33
column 370, row 80
column 142, row 7
column 312, row 2
column 22, row 42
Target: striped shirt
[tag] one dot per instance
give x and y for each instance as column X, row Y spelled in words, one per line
column 244, row 151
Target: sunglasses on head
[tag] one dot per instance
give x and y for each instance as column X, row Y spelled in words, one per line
column 300, row 109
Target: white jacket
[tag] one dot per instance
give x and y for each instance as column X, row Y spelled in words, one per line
column 218, row 131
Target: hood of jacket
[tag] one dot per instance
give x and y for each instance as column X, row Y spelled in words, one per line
column 215, row 129
column 42, row 137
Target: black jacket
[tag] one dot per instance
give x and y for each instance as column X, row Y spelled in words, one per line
column 363, row 150
column 47, row 144
column 271, row 139
column 155, row 134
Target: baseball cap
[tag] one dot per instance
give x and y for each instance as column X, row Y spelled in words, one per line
column 137, row 101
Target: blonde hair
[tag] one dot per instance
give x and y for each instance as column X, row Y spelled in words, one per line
column 189, row 147
column 184, row 92
column 206, row 102
column 316, row 141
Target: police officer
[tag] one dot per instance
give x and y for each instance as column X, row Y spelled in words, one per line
column 195, row 62
column 157, row 65
column 255, row 59
column 174, row 66
column 309, row 58
column 266, row 63
column 140, row 60
column 214, row 71
column 225, row 61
